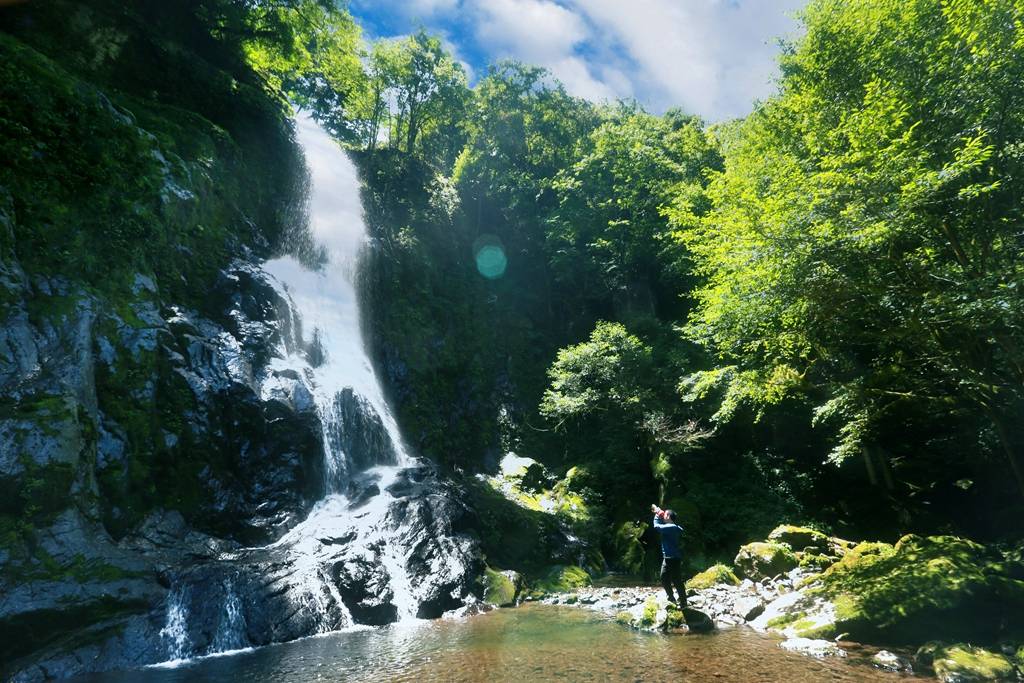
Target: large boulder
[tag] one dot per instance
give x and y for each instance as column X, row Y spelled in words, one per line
column 922, row 588
column 966, row 664
column 801, row 538
column 758, row 561
column 501, row 588
column 940, row 587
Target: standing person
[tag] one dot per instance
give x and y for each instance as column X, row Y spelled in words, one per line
column 672, row 558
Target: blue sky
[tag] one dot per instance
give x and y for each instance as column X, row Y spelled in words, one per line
column 710, row 57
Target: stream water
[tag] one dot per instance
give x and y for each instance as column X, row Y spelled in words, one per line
column 531, row 642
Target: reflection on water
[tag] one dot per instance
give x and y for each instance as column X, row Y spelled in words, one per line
column 533, row 642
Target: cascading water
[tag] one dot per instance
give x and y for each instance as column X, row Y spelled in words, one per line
column 382, row 512
column 340, row 372
column 334, row 361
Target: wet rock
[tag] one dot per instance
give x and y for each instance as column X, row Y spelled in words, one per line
column 812, row 647
column 697, row 621
column 890, row 661
column 748, row 607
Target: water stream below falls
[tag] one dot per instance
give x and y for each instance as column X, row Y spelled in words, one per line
column 531, row 642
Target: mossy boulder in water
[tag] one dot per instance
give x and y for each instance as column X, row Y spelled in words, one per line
column 758, row 561
column 657, row 614
column 964, row 664
column 713, row 576
column 501, row 588
column 922, row 588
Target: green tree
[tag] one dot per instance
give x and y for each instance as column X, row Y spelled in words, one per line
column 864, row 247
column 608, row 373
column 609, row 234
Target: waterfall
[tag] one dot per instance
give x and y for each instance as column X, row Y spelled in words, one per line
column 231, row 629
column 361, row 437
column 175, row 631
column 332, row 355
column 354, row 545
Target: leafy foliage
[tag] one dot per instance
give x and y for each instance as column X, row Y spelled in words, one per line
column 864, row 248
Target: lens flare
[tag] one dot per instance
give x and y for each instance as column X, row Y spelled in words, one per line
column 490, row 257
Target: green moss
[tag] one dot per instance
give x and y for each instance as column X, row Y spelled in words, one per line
column 799, row 538
column 817, row 562
column 629, row 548
column 674, row 618
column 936, row 587
column 714, row 575
column 562, row 579
column 499, row 589
column 784, row 620
column 650, row 613
column 966, row 663
column 624, row 618
column 765, row 560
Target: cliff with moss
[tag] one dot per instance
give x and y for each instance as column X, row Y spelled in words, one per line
column 144, row 173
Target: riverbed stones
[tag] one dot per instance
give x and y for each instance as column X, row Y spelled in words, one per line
column 890, row 661
column 748, row 607
column 813, row 647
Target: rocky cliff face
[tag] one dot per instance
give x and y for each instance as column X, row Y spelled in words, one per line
column 162, row 486
column 153, row 467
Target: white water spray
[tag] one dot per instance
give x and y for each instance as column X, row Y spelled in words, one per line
column 326, row 300
column 175, row 631
column 326, row 303
column 329, row 356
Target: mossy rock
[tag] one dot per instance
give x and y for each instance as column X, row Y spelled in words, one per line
column 649, row 617
column 674, row 618
column 501, row 588
column 713, row 576
column 758, row 561
column 630, row 552
column 940, row 587
column 800, row 538
column 817, row 563
column 562, row 579
column 963, row 664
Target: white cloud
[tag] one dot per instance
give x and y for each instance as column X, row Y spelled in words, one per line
column 713, row 57
column 544, row 33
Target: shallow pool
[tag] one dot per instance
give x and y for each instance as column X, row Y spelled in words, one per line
column 531, row 642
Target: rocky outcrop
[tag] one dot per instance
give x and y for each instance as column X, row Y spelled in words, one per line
column 145, row 449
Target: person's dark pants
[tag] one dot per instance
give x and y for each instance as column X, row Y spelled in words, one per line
column 672, row 575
